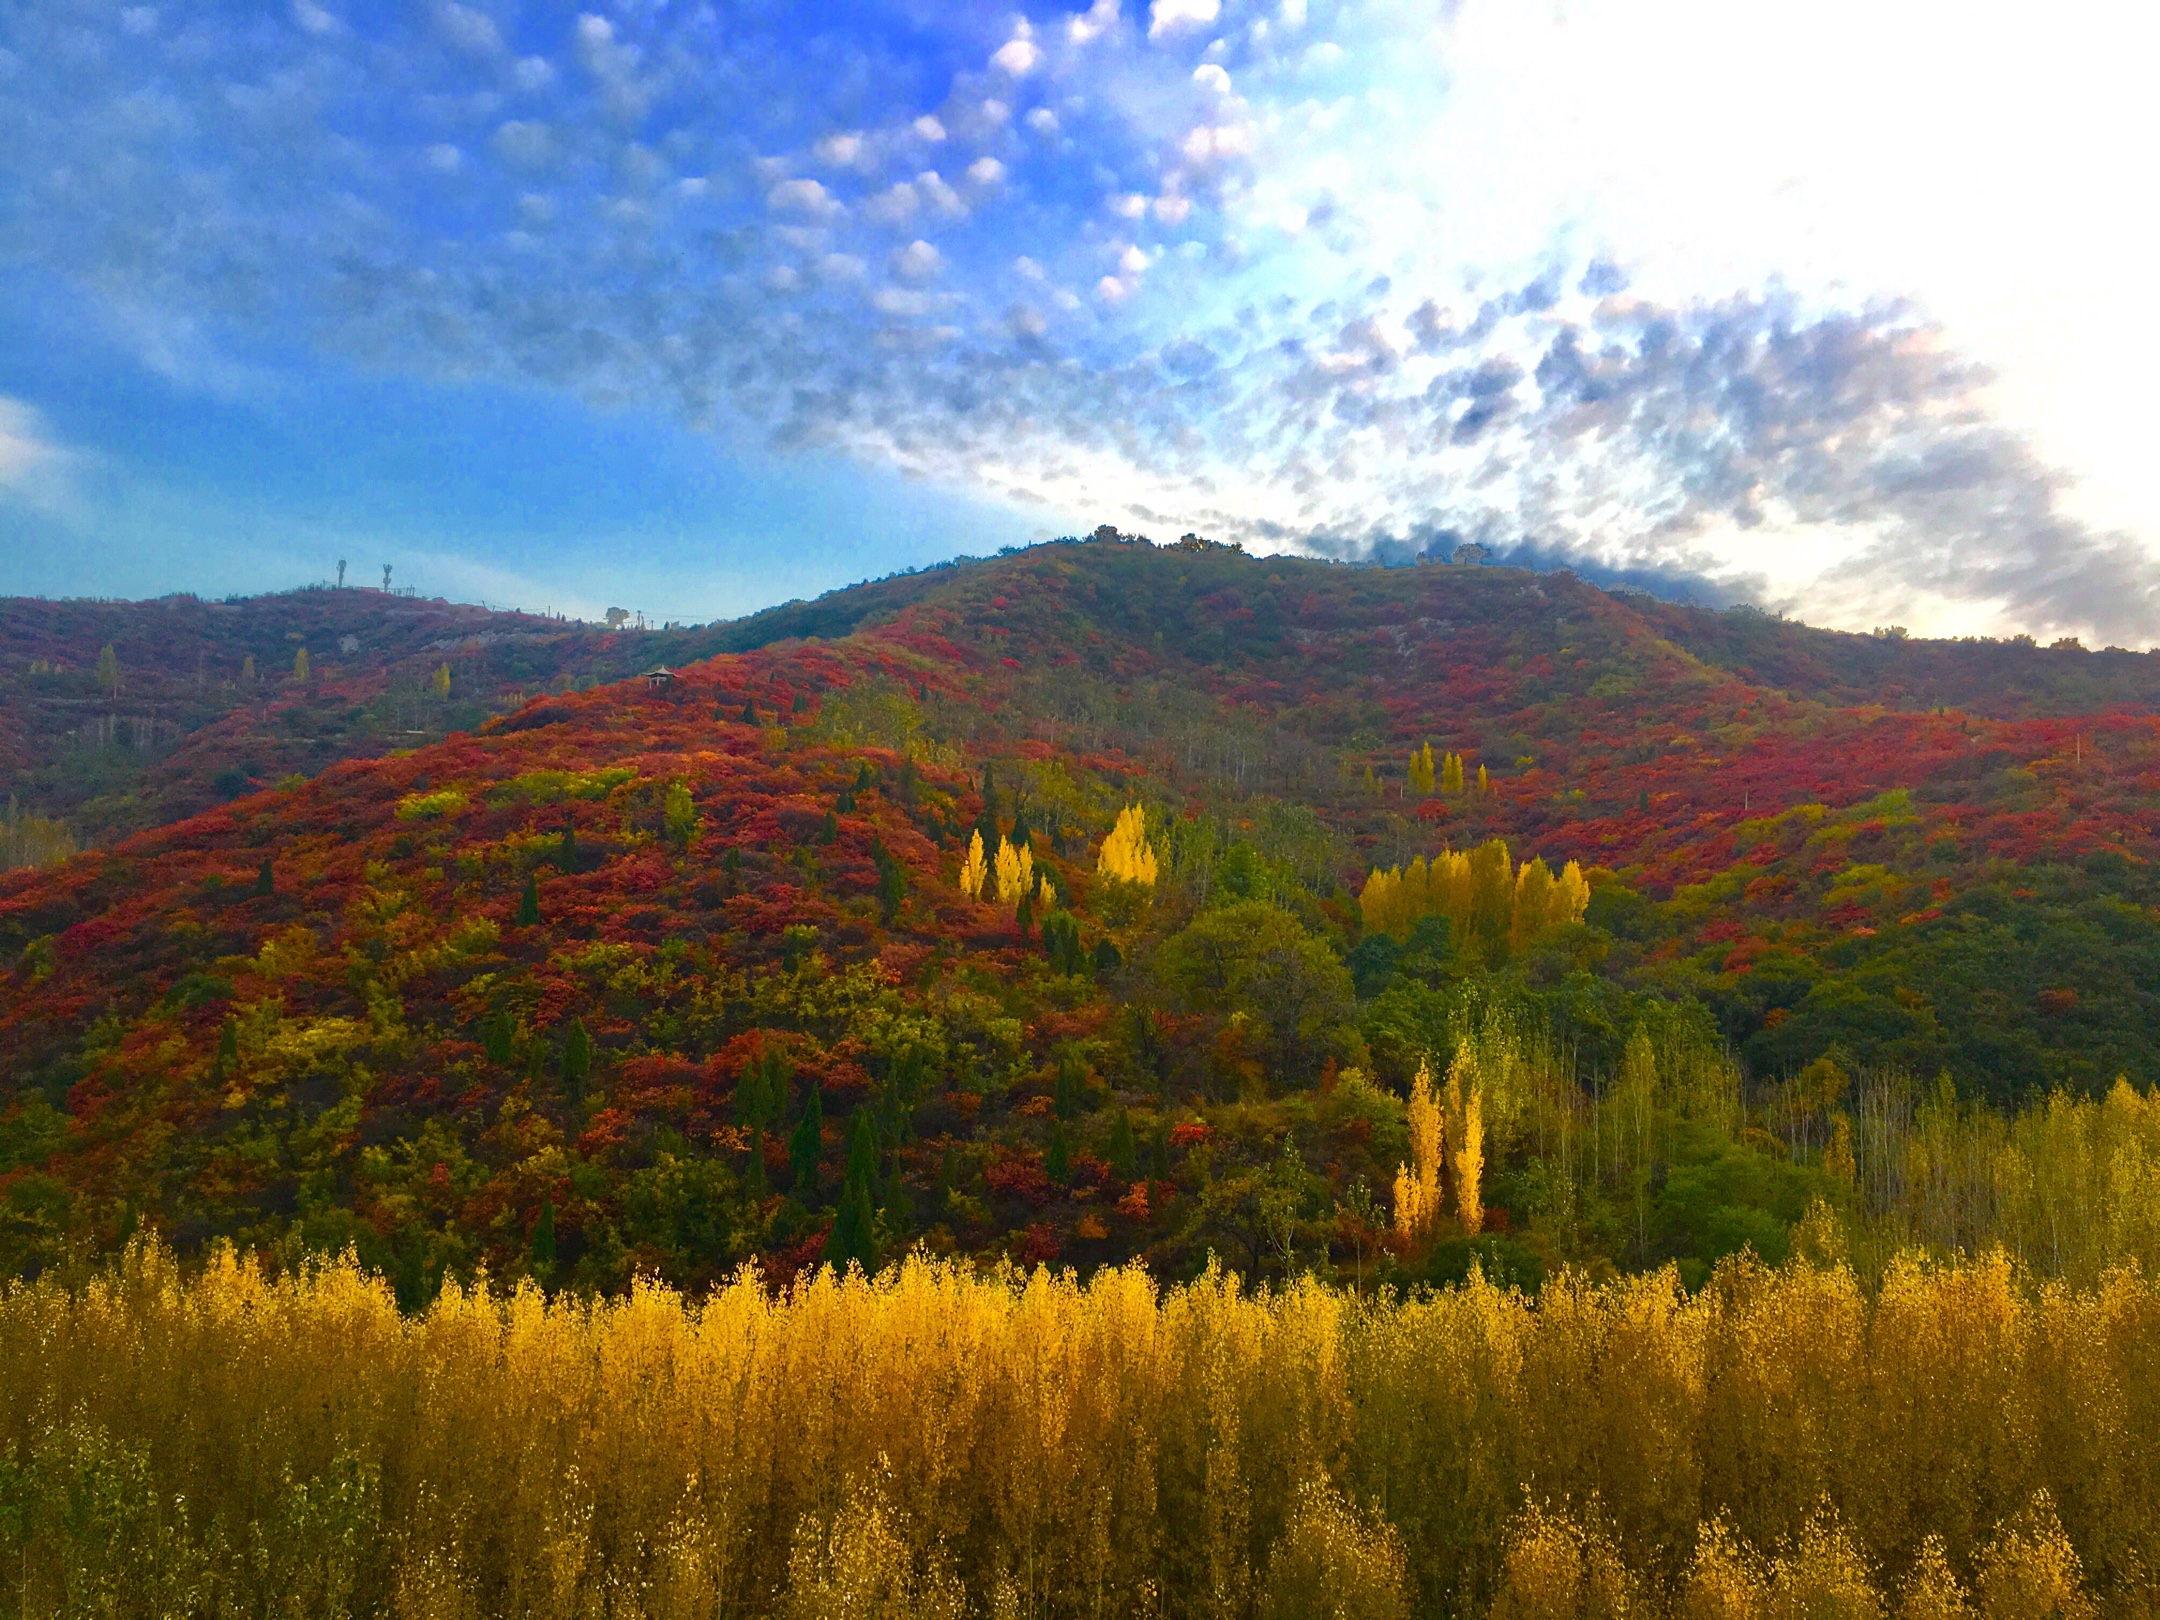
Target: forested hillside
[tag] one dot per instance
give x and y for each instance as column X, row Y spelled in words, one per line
column 1092, row 903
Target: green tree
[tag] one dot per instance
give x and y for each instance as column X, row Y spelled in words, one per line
column 806, row 1145
column 854, row 1234
column 1061, row 942
column 1124, row 1153
column 1258, row 959
column 1057, row 1164
column 543, row 1238
column 299, row 664
column 265, row 881
column 529, row 902
column 498, row 1036
column 891, row 882
column 679, row 815
column 108, row 670
column 576, row 1061
column 228, row 1050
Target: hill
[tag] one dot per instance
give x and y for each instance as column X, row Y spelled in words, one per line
column 606, row 975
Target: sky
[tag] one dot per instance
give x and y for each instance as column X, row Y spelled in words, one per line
column 1843, row 309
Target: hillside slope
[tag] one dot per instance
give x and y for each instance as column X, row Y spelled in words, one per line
column 670, row 977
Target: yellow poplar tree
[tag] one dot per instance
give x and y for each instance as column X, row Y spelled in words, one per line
column 1417, row 1191
column 972, row 870
column 1466, row 1131
column 1421, row 771
column 1015, row 872
column 1484, row 782
column 1126, row 854
column 299, row 664
column 1451, row 774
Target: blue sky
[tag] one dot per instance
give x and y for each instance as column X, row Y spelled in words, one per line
column 695, row 307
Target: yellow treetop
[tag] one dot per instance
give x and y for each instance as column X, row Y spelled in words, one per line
column 1417, row 1185
column 1421, row 772
column 1484, row 782
column 972, row 870
column 1481, row 893
column 1126, row 854
column 1451, row 775
column 1466, row 1135
column 1015, row 872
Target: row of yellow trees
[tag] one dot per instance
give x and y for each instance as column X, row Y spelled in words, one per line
column 1481, row 892
column 1782, row 1443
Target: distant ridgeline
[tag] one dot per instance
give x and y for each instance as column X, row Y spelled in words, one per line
column 1093, row 904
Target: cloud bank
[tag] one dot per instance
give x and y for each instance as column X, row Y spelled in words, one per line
column 1200, row 265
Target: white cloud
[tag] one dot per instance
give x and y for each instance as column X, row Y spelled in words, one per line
column 1131, row 205
column 1209, row 143
column 986, row 171
column 525, row 143
column 917, row 260
column 533, row 73
column 939, row 195
column 467, row 29
column 1028, row 268
column 1111, row 290
column 1133, row 261
column 1172, row 15
column 901, row 301
column 1017, row 56
column 444, row 158
column 1210, row 76
column 802, row 196
column 313, row 19
column 29, row 458
column 1096, row 21
column 1042, row 121
column 895, row 205
column 839, row 151
column 929, row 127
column 1172, row 209
column 1293, row 14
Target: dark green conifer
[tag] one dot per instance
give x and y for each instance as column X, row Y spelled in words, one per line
column 529, row 902
column 1124, row 1152
column 806, row 1145
column 228, row 1050
column 1058, row 1163
column 576, row 1061
column 265, row 881
column 543, row 1239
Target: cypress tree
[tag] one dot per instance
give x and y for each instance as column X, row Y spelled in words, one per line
column 1107, row 955
column 543, row 1240
column 754, row 1172
column 576, row 1061
column 749, row 711
column 529, row 902
column 862, row 1158
column 891, row 881
column 265, row 881
column 228, row 1050
column 497, row 1036
column 852, row 1238
column 1058, row 1163
column 806, row 1145
column 566, row 852
column 1070, row 1080
column 1124, row 1152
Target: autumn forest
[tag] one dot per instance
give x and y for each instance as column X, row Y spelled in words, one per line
column 1108, row 1079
